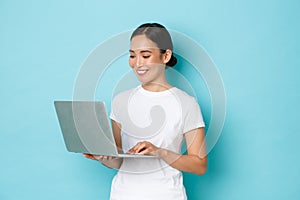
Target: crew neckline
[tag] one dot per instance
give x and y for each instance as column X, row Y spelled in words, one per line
column 148, row 92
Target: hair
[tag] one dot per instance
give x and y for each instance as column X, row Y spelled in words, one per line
column 158, row 34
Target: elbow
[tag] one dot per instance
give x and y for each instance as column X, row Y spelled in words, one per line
column 202, row 168
column 201, row 171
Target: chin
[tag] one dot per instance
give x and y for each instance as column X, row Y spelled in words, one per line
column 142, row 80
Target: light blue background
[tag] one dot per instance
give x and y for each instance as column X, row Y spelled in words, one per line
column 255, row 45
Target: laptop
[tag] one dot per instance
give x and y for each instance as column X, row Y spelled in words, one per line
column 86, row 129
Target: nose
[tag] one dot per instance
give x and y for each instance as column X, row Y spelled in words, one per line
column 139, row 61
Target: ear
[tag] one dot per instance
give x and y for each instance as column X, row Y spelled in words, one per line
column 167, row 56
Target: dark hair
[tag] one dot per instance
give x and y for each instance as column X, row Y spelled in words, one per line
column 158, row 34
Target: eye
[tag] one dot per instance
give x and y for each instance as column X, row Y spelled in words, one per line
column 148, row 56
column 131, row 56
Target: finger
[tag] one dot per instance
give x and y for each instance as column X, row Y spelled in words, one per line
column 141, row 147
column 147, row 150
column 98, row 157
column 144, row 151
column 86, row 155
column 133, row 149
column 105, row 157
column 89, row 156
column 110, row 158
column 144, row 146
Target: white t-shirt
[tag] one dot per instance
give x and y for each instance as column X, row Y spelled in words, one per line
column 161, row 118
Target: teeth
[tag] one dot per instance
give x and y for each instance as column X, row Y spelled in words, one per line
column 142, row 71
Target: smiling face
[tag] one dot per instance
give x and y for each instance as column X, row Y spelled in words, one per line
column 146, row 60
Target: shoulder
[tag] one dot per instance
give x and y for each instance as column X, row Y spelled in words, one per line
column 191, row 112
column 184, row 98
column 189, row 104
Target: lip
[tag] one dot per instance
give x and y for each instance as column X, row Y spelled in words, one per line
column 142, row 72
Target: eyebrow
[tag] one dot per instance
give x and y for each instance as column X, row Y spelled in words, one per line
column 142, row 51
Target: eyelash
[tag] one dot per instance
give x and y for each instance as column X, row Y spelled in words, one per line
column 143, row 57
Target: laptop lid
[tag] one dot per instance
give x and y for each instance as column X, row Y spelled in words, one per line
column 85, row 127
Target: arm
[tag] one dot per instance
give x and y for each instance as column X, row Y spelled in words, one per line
column 194, row 162
column 108, row 161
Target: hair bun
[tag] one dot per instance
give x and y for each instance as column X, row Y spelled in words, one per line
column 172, row 61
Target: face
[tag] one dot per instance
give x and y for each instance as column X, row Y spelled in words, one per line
column 146, row 60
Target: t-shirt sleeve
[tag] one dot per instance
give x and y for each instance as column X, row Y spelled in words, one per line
column 114, row 115
column 193, row 117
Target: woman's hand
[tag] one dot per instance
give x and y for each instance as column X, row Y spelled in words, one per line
column 98, row 157
column 146, row 148
column 108, row 161
column 89, row 156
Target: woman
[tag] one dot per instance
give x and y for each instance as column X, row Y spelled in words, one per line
column 154, row 119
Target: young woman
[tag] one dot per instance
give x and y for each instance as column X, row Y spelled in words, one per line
column 154, row 119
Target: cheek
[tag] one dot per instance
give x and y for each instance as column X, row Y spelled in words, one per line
column 159, row 68
column 131, row 63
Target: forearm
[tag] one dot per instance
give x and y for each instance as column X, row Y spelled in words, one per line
column 112, row 163
column 188, row 163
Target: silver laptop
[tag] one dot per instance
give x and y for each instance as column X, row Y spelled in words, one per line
column 86, row 128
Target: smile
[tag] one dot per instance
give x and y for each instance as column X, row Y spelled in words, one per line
column 142, row 71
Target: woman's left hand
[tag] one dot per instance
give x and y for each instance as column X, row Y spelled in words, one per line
column 146, row 148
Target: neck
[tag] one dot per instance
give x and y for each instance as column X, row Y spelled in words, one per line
column 156, row 87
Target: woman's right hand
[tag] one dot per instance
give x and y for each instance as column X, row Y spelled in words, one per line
column 99, row 157
column 89, row 156
column 108, row 161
